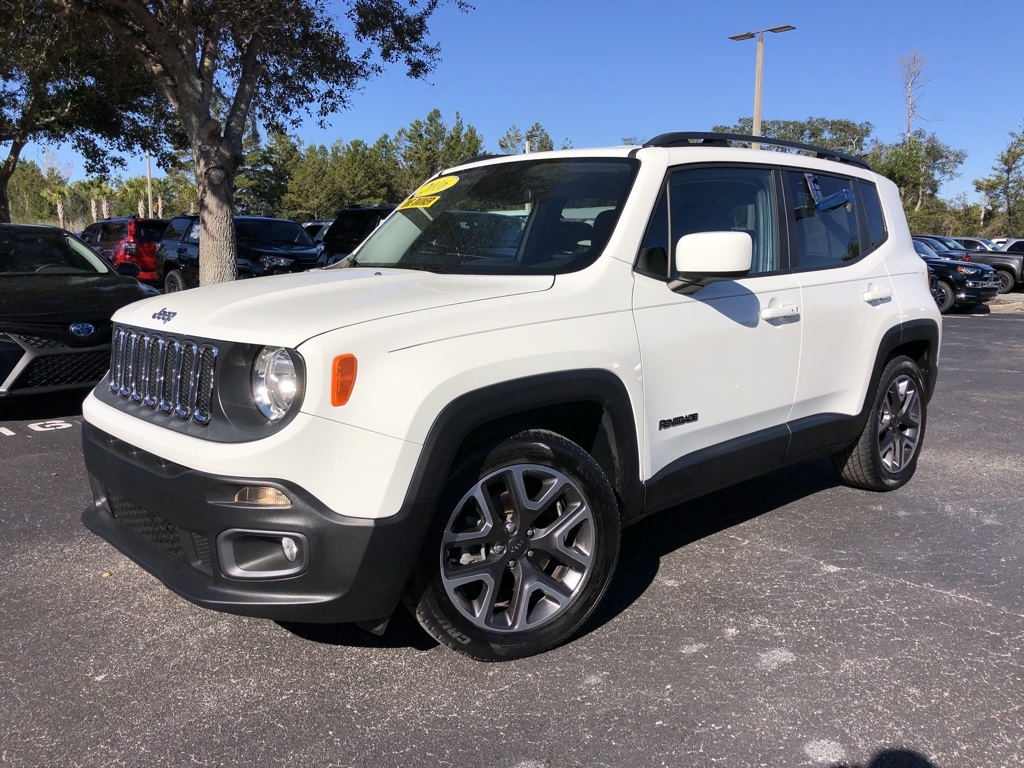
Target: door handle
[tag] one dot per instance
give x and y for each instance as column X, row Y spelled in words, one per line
column 780, row 312
column 876, row 294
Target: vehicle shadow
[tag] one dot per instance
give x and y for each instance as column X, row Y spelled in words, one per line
column 892, row 758
column 402, row 632
column 644, row 544
column 44, row 406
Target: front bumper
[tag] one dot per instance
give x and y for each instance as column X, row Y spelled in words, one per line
column 186, row 528
column 978, row 291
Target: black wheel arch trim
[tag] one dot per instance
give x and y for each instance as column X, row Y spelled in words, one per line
column 910, row 332
column 502, row 402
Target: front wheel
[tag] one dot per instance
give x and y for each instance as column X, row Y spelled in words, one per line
column 945, row 296
column 885, row 456
column 525, row 546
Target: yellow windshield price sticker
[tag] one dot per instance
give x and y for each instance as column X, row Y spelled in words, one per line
column 435, row 186
column 419, row 202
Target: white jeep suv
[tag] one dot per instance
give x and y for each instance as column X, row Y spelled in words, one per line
column 529, row 353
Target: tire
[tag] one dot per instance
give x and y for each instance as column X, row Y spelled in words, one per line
column 524, row 546
column 885, row 456
column 1006, row 280
column 945, row 296
column 174, row 281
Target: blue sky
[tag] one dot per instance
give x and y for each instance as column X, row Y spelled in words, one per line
column 595, row 71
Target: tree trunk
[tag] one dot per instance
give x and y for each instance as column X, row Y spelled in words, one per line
column 6, row 172
column 215, row 173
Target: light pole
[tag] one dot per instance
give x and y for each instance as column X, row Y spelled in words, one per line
column 758, row 72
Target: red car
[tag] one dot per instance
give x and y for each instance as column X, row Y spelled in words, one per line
column 128, row 239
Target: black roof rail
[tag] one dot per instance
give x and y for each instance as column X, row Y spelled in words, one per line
column 477, row 159
column 697, row 139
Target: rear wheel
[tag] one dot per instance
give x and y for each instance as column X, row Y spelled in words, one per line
column 1006, row 280
column 524, row 548
column 885, row 456
column 174, row 281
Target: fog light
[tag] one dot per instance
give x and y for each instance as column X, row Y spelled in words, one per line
column 290, row 549
column 262, row 496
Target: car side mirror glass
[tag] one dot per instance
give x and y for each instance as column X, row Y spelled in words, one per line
column 128, row 269
column 708, row 257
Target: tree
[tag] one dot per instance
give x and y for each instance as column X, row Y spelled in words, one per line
column 67, row 80
column 918, row 165
column 26, row 194
column 1004, row 189
column 536, row 139
column 912, row 76
column 428, row 146
column 263, row 181
column 272, row 57
column 837, row 134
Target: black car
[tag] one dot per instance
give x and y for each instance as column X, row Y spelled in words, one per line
column 351, row 226
column 958, row 283
column 56, row 300
column 266, row 246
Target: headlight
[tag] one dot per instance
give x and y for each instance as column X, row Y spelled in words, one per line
column 968, row 270
column 272, row 262
column 274, row 382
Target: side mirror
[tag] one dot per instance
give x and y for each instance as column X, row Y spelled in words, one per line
column 128, row 269
column 708, row 257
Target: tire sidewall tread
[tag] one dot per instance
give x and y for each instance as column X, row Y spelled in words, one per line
column 427, row 598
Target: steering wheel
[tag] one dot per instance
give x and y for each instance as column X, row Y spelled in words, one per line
column 50, row 267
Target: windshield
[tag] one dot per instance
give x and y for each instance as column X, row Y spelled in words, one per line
column 351, row 228
column 277, row 231
column 949, row 243
column 924, row 250
column 523, row 217
column 45, row 251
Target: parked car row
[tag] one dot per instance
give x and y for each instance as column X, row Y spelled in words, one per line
column 265, row 247
column 1009, row 265
column 167, row 250
column 957, row 283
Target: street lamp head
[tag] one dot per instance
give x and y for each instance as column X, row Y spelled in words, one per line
column 752, row 35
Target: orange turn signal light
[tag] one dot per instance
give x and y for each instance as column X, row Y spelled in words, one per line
column 343, row 379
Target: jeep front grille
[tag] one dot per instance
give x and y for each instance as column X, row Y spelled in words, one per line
column 164, row 373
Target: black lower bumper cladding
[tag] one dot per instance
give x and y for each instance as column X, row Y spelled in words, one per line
column 171, row 520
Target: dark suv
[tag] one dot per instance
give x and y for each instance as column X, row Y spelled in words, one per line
column 351, row 226
column 958, row 283
column 128, row 240
column 265, row 247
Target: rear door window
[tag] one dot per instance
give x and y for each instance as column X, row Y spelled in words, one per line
column 822, row 220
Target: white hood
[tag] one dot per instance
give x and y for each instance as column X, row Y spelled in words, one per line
column 285, row 310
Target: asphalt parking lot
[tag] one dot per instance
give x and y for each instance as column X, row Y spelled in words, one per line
column 789, row 621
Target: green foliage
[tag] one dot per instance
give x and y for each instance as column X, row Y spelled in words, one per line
column 837, row 134
column 262, row 182
column 514, row 141
column 1004, row 190
column 27, row 193
column 67, row 80
column 427, row 146
column 918, row 166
